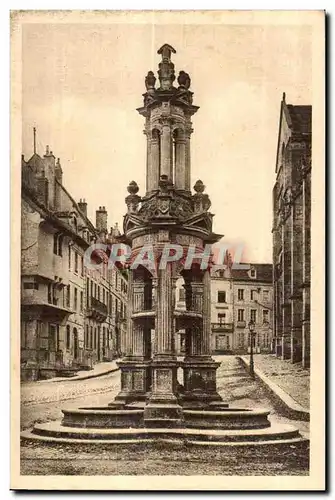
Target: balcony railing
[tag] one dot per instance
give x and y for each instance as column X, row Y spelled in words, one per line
column 241, row 324
column 222, row 327
column 97, row 310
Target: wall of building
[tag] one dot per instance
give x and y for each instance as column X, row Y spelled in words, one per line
column 234, row 303
column 57, row 314
column 291, row 234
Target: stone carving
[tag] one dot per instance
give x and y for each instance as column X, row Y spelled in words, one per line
column 166, row 203
column 150, row 81
column 133, row 199
column 201, row 200
column 184, row 80
column 166, row 72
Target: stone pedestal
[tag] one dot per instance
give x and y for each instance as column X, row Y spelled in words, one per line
column 135, row 380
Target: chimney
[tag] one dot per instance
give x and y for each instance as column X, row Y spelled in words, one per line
column 49, row 167
column 83, row 206
column 101, row 220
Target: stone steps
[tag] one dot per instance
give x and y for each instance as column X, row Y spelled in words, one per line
column 56, row 432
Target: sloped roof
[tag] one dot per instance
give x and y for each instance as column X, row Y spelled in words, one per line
column 263, row 273
column 301, row 118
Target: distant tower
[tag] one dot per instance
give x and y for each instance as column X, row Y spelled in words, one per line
column 168, row 213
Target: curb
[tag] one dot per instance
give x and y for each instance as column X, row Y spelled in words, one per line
column 92, row 375
column 286, row 404
column 76, row 378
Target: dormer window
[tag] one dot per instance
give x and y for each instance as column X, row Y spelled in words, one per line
column 252, row 273
column 75, row 224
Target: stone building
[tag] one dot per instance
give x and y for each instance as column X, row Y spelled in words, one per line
column 71, row 316
column 238, row 296
column 291, row 233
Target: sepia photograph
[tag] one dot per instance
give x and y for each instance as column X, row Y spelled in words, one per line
column 168, row 229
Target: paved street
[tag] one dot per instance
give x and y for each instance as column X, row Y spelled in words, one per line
column 292, row 378
column 234, row 385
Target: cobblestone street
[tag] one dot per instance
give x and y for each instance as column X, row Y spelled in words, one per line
column 234, row 385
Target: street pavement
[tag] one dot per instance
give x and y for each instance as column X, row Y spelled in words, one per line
column 235, row 386
column 292, row 378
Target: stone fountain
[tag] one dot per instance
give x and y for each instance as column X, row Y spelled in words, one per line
column 152, row 406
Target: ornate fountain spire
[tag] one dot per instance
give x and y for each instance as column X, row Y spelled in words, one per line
column 166, row 67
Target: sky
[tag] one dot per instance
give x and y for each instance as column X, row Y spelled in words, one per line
column 82, row 83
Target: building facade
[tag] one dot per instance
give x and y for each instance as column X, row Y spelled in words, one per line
column 237, row 297
column 72, row 316
column 291, row 234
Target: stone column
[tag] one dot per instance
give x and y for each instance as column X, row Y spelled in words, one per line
column 163, row 409
column 134, row 366
column 199, row 366
column 180, row 176
column 138, row 296
column 164, row 312
column 154, row 163
column 306, row 270
column 166, row 160
column 206, row 318
column 188, row 160
column 296, row 280
column 129, row 331
column 286, row 289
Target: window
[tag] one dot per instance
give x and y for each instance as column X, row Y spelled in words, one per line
column 81, row 301
column 240, row 315
column 265, row 315
column 30, row 286
column 50, row 293
column 87, row 336
column 266, row 295
column 82, row 266
column 240, row 294
column 54, row 297
column 103, row 295
column 182, row 294
column 252, row 273
column 75, row 302
column 222, row 297
column 24, row 334
column 92, row 290
column 95, row 338
column 253, row 294
column 98, row 292
column 253, row 315
column 75, row 262
column 69, row 258
column 68, row 296
column 58, row 244
column 222, row 318
column 91, row 337
column 87, row 292
column 68, row 337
